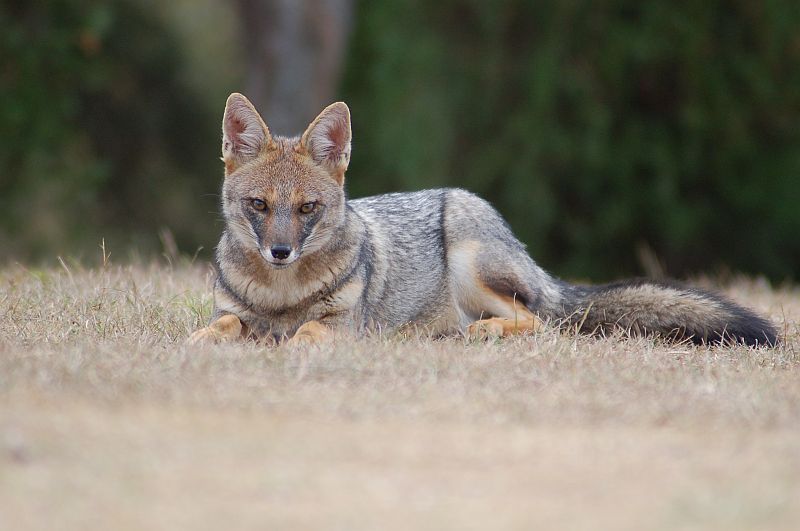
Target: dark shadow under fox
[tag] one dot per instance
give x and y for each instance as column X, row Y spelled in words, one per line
column 299, row 260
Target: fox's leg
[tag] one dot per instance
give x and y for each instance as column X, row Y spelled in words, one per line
column 326, row 328
column 225, row 328
column 310, row 334
column 491, row 295
column 510, row 315
column 504, row 326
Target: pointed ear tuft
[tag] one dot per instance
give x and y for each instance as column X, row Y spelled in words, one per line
column 327, row 140
column 244, row 133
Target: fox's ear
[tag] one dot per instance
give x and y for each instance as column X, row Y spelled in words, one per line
column 244, row 133
column 327, row 140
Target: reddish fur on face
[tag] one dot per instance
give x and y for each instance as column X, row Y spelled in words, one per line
column 230, row 166
column 285, row 179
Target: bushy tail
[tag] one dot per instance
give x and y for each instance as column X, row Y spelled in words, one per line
column 668, row 309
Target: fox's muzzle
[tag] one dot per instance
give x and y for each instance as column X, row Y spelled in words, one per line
column 280, row 251
column 279, row 255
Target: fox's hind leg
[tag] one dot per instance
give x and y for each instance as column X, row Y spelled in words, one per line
column 223, row 329
column 502, row 327
column 514, row 318
column 491, row 275
column 491, row 300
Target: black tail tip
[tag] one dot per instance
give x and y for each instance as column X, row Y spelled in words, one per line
column 755, row 332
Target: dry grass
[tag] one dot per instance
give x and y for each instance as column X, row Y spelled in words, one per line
column 108, row 421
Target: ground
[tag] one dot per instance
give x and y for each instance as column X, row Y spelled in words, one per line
column 109, row 421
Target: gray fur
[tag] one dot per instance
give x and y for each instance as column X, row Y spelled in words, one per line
column 398, row 250
column 436, row 260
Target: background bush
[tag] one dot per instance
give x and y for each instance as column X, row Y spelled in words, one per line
column 603, row 131
column 100, row 137
column 595, row 127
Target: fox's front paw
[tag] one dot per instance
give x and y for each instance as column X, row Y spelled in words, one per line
column 500, row 327
column 225, row 328
column 204, row 335
column 310, row 334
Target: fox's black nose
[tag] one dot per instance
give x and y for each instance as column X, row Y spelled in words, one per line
column 281, row 252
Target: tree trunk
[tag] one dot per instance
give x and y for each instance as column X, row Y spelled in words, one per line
column 295, row 51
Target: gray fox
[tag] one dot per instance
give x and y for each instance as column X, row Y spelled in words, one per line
column 299, row 261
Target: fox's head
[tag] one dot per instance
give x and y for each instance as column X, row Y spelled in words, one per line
column 283, row 196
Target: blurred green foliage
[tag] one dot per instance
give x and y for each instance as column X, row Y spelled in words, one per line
column 100, row 138
column 597, row 128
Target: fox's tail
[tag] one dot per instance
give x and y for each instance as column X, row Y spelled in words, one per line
column 667, row 309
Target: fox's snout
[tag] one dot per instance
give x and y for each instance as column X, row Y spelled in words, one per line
column 280, row 251
column 279, row 254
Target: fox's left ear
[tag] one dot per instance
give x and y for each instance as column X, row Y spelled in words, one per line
column 327, row 140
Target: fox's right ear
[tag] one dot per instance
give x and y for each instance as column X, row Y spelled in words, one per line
column 244, row 133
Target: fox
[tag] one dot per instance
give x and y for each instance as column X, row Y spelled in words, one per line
column 299, row 263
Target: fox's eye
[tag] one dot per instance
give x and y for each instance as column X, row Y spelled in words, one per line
column 258, row 204
column 308, row 208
